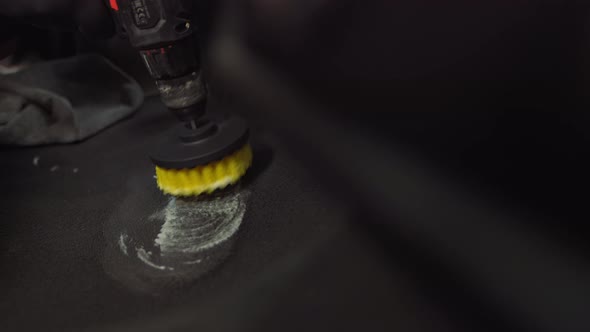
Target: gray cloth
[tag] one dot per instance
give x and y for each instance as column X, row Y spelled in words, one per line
column 64, row 101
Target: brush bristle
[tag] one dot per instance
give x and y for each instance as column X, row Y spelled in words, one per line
column 206, row 178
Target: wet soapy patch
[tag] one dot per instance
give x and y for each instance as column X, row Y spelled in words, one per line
column 190, row 229
column 158, row 243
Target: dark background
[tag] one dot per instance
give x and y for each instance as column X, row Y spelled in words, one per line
column 431, row 175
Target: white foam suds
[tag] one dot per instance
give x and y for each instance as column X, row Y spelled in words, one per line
column 122, row 238
column 145, row 256
column 192, row 232
column 194, row 226
column 193, row 262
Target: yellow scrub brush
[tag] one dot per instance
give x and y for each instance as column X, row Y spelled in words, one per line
column 202, row 159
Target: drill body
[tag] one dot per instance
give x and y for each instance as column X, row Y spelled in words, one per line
column 163, row 33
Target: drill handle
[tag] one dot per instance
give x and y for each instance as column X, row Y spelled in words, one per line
column 150, row 24
column 112, row 4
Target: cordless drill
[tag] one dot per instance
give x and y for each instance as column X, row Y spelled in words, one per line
column 201, row 154
column 163, row 33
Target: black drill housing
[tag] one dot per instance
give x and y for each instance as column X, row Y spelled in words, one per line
column 163, row 33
